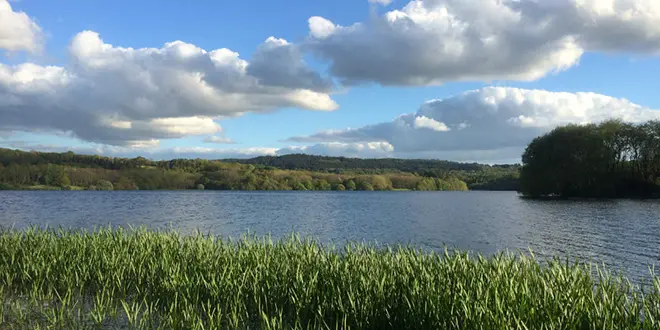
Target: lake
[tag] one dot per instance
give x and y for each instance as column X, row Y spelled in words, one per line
column 622, row 234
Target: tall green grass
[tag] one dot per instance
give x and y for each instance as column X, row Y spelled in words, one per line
column 114, row 278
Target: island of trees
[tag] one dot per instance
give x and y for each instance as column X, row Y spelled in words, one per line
column 69, row 171
column 609, row 160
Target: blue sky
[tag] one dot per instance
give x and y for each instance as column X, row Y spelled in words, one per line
column 372, row 84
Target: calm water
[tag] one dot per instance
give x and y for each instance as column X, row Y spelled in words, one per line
column 622, row 234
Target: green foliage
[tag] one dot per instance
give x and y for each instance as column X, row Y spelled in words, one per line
column 117, row 279
column 426, row 184
column 323, row 185
column 380, row 182
column 363, row 182
column 612, row 159
column 104, row 185
column 453, row 184
column 299, row 186
column 56, row 176
column 30, row 170
column 125, row 183
column 350, row 185
column 353, row 165
column 497, row 177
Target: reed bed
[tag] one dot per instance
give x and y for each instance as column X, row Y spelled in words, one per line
column 140, row 279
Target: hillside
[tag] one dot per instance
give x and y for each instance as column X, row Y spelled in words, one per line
column 36, row 170
column 333, row 164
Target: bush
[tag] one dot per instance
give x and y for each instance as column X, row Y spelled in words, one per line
column 350, row 185
column 104, row 185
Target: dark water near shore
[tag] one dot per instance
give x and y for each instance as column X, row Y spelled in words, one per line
column 623, row 234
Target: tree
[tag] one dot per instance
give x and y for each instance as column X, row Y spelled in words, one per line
column 456, row 184
column 299, row 186
column 270, row 184
column 569, row 161
column 612, row 159
column 56, row 176
column 380, row 182
column 350, row 185
column 426, row 184
column 104, row 185
column 125, row 183
column 339, row 187
column 322, row 185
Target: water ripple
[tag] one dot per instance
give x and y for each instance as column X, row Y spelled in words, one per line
column 622, row 234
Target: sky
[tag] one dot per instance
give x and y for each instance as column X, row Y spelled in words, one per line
column 461, row 80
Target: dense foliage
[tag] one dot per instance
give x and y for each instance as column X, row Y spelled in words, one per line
column 112, row 279
column 612, row 159
column 339, row 164
column 37, row 170
column 477, row 176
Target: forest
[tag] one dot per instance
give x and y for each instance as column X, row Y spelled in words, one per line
column 339, row 164
column 70, row 171
column 607, row 160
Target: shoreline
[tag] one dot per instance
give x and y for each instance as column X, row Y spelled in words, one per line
column 54, row 188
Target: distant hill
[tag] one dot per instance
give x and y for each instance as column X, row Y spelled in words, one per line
column 332, row 164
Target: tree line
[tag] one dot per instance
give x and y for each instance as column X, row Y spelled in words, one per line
column 41, row 170
column 35, row 170
column 610, row 159
column 365, row 165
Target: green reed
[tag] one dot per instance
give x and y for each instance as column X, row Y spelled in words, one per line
column 140, row 279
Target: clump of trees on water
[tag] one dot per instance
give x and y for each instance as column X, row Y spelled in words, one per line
column 611, row 159
column 34, row 170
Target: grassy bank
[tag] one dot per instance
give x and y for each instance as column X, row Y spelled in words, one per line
column 110, row 278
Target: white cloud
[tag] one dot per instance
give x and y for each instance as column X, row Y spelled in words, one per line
column 435, row 41
column 363, row 150
column 212, row 153
column 184, row 126
column 155, row 153
column 426, row 122
column 495, row 122
column 320, row 27
column 219, row 140
column 279, row 63
column 18, row 31
column 126, row 96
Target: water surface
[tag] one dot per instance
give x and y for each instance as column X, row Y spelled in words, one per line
column 623, row 234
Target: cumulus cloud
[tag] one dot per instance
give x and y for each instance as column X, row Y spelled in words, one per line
column 364, row 150
column 219, row 140
column 496, row 122
column 126, row 96
column 426, row 122
column 435, row 41
column 339, row 149
column 157, row 153
column 18, row 31
column 320, row 27
column 279, row 63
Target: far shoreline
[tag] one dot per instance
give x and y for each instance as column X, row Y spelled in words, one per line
column 75, row 188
